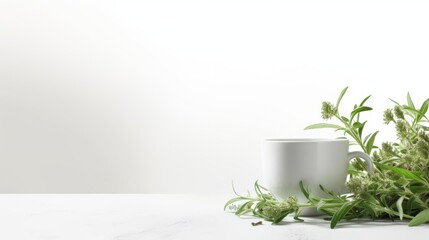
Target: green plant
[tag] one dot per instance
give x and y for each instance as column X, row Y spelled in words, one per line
column 397, row 189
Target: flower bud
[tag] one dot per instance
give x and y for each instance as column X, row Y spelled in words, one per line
column 388, row 116
column 401, row 129
column 328, row 110
column 398, row 112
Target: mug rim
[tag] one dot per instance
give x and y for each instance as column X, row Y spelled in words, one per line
column 304, row 140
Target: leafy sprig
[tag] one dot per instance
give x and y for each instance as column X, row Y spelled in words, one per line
column 264, row 205
column 398, row 188
column 351, row 125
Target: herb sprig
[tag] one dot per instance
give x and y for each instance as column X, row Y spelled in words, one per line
column 397, row 189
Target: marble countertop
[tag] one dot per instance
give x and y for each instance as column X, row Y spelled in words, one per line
column 147, row 217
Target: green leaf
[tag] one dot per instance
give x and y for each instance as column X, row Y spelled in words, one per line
column 263, row 188
column 422, row 111
column 399, row 206
column 408, row 110
column 304, row 190
column 420, row 218
column 412, row 112
column 364, row 100
column 280, row 218
column 369, row 209
column 245, row 208
column 359, row 110
column 248, row 208
column 357, row 125
column 395, row 102
column 369, row 198
column 410, row 102
column 360, row 130
column 419, row 189
column 370, row 143
column 296, row 217
column 258, row 190
column 341, row 213
column 329, row 192
column 341, row 97
column 322, row 125
column 424, row 107
column 403, row 172
column 341, row 129
column 348, row 132
column 353, row 171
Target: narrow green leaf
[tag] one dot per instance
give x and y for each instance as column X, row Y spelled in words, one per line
column 357, row 125
column 341, row 97
column 296, row 217
column 322, row 125
column 395, row 102
column 359, row 110
column 263, row 188
column 353, row 171
column 369, row 209
column 341, row 213
column 403, row 172
column 280, row 218
column 419, row 189
column 364, row 100
column 341, row 129
column 420, row 218
column 410, row 203
column 424, row 107
column 370, row 143
column 399, row 206
column 410, row 102
column 412, row 112
column 348, row 132
column 408, row 110
column 361, row 129
column 233, row 189
column 258, row 190
column 358, row 115
column 344, row 119
column 366, row 138
column 421, row 113
column 304, row 190
column 243, row 209
column 369, row 198
column 329, row 192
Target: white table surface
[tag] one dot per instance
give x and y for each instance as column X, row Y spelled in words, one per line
column 147, row 217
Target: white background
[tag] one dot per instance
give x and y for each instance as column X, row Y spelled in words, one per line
column 175, row 96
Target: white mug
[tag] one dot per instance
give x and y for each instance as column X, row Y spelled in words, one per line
column 286, row 162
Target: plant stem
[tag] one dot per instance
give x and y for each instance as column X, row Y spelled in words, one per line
column 352, row 132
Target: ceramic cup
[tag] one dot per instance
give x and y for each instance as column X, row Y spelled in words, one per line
column 286, row 162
